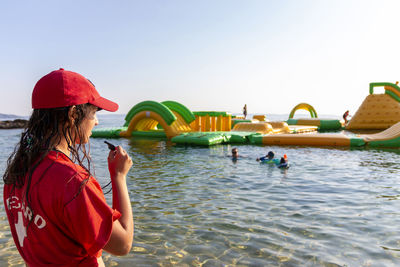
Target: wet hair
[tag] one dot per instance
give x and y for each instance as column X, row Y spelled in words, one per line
column 45, row 130
column 270, row 154
column 234, row 150
column 42, row 135
column 282, row 160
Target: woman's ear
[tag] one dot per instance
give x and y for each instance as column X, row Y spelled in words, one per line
column 72, row 114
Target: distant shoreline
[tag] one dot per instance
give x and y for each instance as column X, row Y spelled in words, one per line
column 13, row 124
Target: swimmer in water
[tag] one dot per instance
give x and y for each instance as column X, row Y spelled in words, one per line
column 235, row 153
column 284, row 162
column 267, row 158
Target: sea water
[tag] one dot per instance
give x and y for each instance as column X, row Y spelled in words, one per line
column 194, row 206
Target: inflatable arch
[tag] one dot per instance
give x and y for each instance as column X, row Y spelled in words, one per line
column 391, row 89
column 304, row 106
column 181, row 110
column 172, row 116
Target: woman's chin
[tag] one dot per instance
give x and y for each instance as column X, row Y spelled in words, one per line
column 79, row 142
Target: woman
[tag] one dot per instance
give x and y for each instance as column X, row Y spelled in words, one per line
column 56, row 209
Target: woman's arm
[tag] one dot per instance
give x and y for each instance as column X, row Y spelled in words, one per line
column 120, row 242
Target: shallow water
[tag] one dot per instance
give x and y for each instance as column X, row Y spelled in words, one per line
column 194, row 206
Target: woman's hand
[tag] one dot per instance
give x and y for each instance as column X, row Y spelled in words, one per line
column 119, row 162
column 120, row 242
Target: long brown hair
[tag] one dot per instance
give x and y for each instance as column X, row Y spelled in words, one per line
column 46, row 128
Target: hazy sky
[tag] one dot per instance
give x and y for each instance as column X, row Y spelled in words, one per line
column 208, row 55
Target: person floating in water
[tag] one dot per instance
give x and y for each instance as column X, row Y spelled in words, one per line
column 235, row 153
column 269, row 158
column 245, row 111
column 284, row 162
column 345, row 115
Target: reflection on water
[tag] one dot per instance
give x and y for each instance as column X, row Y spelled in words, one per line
column 194, row 206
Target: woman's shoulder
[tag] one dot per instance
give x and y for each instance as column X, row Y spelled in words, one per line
column 59, row 180
column 70, row 178
column 66, row 170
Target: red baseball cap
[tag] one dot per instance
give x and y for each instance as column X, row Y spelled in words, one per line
column 63, row 88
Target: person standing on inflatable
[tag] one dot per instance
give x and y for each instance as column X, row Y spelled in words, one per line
column 345, row 115
column 245, row 111
column 56, row 208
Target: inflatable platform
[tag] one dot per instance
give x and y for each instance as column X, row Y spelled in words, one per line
column 390, row 138
column 240, row 134
column 172, row 120
column 322, row 124
column 387, row 138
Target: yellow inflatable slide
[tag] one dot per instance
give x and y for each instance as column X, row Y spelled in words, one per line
column 378, row 111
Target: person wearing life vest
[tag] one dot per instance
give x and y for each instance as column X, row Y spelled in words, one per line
column 284, row 162
column 269, row 158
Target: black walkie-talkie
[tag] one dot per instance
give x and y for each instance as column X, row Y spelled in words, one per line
column 110, row 146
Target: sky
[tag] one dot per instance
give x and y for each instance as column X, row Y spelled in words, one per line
column 208, row 55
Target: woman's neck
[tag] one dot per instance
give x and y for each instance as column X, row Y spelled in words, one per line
column 63, row 147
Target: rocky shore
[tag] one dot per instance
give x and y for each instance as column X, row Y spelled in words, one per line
column 14, row 124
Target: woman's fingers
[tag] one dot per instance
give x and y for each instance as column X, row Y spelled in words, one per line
column 119, row 161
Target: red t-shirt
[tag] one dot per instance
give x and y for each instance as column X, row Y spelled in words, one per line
column 71, row 219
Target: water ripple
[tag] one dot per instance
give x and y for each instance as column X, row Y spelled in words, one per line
column 194, row 206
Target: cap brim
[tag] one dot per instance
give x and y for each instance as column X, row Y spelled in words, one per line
column 105, row 104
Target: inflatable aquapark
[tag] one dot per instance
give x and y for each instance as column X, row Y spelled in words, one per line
column 175, row 122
